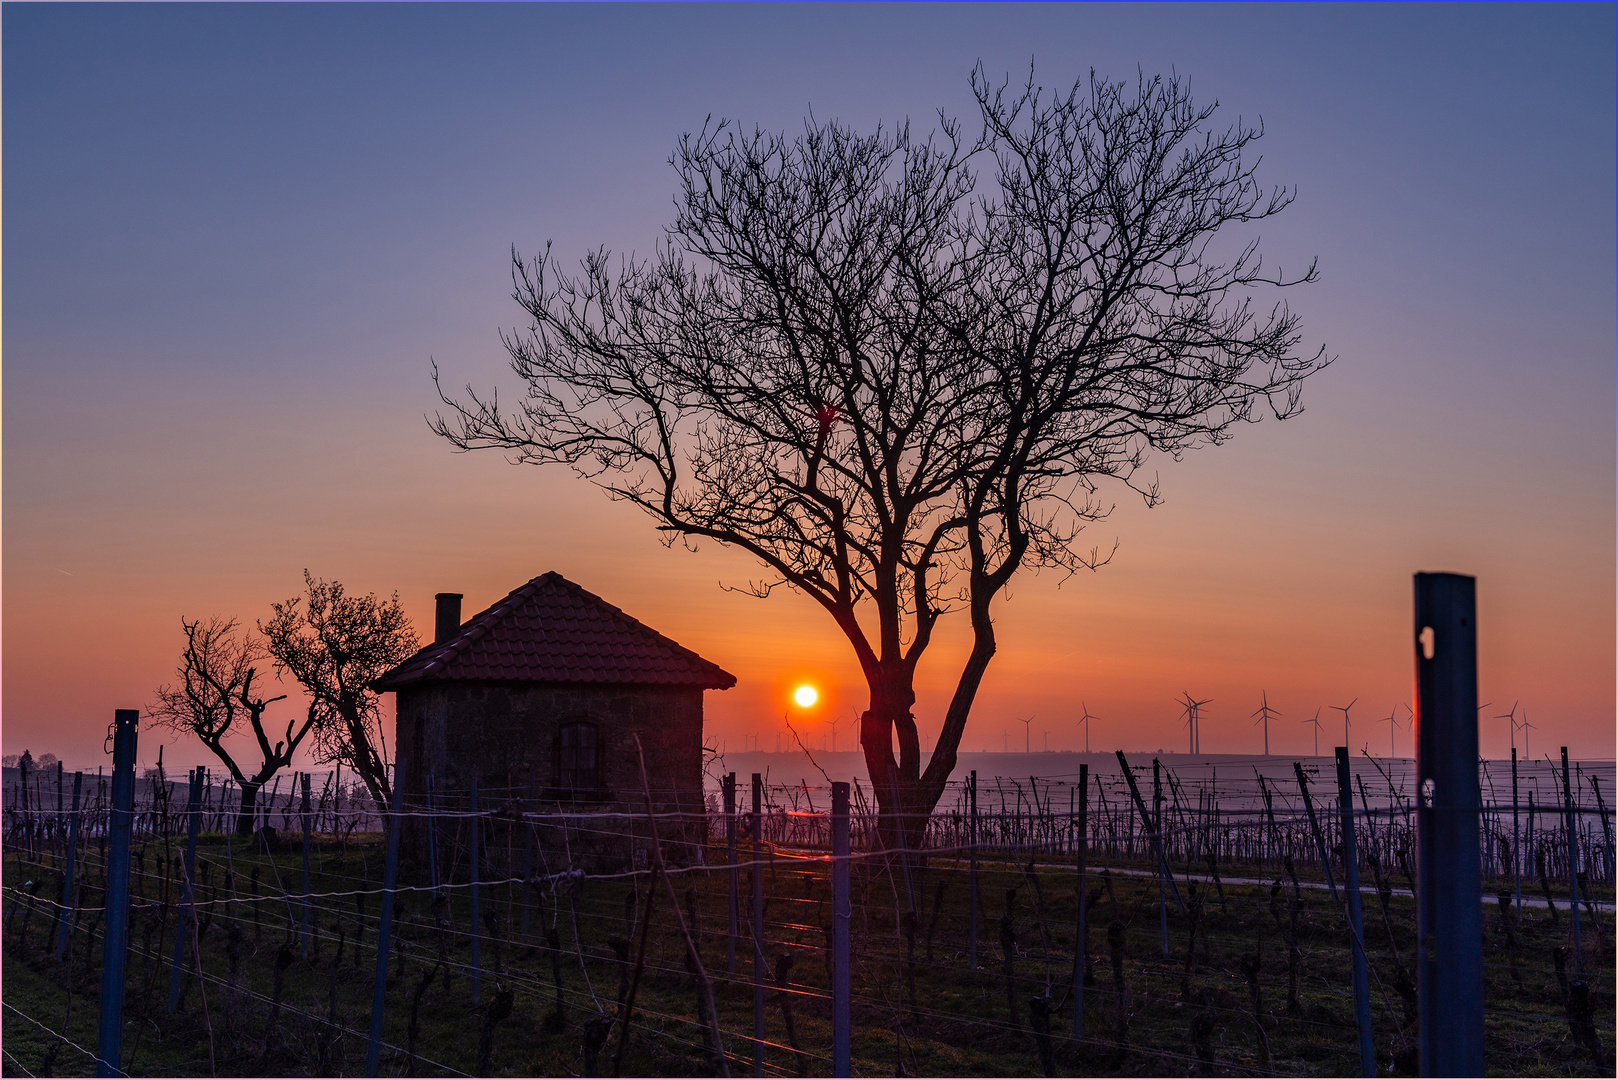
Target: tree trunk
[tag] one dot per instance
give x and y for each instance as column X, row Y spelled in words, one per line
column 249, row 805
column 895, row 782
column 905, row 793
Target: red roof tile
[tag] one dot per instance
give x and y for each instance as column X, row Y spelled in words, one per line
column 550, row 630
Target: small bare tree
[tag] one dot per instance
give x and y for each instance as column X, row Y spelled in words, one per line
column 215, row 699
column 335, row 646
column 895, row 385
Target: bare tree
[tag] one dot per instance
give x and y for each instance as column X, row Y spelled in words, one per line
column 214, row 699
column 335, row 645
column 897, row 385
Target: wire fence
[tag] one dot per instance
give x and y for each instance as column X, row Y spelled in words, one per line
column 530, row 938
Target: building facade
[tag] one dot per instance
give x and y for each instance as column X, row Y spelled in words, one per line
column 540, row 700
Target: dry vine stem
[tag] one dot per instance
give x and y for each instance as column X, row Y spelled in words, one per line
column 674, row 901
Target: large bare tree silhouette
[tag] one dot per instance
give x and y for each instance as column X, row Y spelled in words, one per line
column 897, row 382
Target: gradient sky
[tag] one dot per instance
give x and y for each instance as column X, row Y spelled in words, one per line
column 235, row 236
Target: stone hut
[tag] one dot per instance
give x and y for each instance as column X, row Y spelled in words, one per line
column 539, row 699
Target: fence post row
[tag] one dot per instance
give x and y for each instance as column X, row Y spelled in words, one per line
column 114, row 946
column 841, row 983
column 1449, row 809
column 1449, row 887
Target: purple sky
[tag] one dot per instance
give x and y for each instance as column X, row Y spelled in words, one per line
column 236, row 235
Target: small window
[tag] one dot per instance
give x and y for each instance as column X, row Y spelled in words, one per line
column 577, row 763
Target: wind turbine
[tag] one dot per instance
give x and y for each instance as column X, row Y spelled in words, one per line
column 1085, row 720
column 1344, row 710
column 1264, row 712
column 1525, row 725
column 1315, row 720
column 1027, row 746
column 1193, row 720
column 1511, row 716
column 1393, row 725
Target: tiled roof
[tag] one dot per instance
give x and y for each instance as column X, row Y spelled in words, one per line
column 550, row 630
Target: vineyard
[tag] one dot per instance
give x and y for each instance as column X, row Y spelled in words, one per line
column 533, row 939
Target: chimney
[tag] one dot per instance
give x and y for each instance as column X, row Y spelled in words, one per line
column 449, row 617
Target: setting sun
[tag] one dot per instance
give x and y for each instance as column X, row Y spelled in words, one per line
column 805, row 696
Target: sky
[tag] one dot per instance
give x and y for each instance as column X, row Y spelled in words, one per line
column 236, row 238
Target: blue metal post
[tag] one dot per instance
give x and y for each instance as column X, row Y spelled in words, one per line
column 69, row 872
column 1356, row 923
column 188, row 913
column 1449, row 888
column 841, row 983
column 390, row 875
column 115, row 945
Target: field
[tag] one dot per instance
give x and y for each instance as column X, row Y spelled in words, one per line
column 1250, row 976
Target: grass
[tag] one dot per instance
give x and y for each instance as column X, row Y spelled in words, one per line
column 928, row 1016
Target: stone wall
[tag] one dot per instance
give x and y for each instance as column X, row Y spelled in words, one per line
column 508, row 736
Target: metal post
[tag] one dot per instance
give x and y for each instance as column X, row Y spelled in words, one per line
column 1079, row 957
column 188, row 913
column 1314, row 827
column 114, row 946
column 68, row 871
column 477, row 973
column 390, row 875
column 1570, row 813
column 1356, row 924
column 972, row 901
column 304, row 808
column 841, row 983
column 1516, row 839
column 758, row 924
column 1157, row 825
column 57, row 840
column 1449, row 888
column 730, row 863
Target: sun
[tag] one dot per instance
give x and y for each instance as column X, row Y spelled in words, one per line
column 805, row 696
